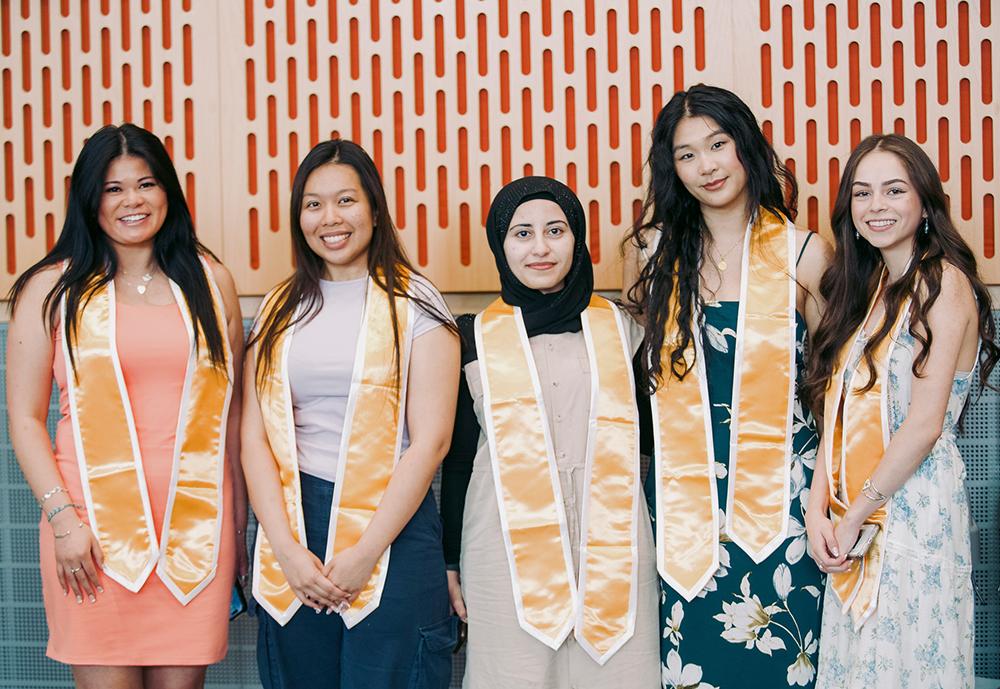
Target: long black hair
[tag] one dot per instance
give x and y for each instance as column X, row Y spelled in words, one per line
column 388, row 265
column 670, row 208
column 90, row 259
column 850, row 282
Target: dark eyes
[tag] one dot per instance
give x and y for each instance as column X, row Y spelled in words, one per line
column 145, row 184
column 892, row 191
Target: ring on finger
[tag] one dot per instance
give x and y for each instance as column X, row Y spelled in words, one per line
column 74, row 570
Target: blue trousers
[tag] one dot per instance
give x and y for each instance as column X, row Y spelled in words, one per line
column 406, row 643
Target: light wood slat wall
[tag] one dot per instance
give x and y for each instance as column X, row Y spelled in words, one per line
column 454, row 97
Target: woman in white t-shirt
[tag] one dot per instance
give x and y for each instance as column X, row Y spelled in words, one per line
column 349, row 400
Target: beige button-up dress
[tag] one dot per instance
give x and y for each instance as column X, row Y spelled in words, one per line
column 500, row 654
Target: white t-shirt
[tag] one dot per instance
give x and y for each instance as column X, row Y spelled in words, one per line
column 321, row 362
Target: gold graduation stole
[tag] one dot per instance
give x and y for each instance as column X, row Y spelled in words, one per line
column 856, row 433
column 549, row 602
column 687, row 503
column 186, row 554
column 369, row 449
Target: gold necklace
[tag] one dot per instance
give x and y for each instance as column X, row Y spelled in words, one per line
column 721, row 265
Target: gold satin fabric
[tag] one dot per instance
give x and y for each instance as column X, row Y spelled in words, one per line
column 270, row 587
column 111, row 466
column 855, row 429
column 609, row 557
column 372, row 439
column 526, row 478
column 763, row 394
column 369, row 451
column 528, row 492
column 193, row 519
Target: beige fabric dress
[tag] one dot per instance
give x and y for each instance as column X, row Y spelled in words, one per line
column 500, row 653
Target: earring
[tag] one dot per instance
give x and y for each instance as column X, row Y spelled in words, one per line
column 857, row 235
column 927, row 225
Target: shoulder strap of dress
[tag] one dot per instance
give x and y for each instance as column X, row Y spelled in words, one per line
column 803, row 249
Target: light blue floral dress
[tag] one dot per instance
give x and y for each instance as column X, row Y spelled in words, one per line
column 921, row 634
column 753, row 626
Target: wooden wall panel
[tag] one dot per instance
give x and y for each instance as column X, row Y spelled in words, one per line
column 68, row 68
column 455, row 97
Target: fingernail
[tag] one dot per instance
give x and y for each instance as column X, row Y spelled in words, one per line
column 79, row 600
column 329, row 610
column 836, row 552
column 100, row 589
column 316, row 610
column 92, row 599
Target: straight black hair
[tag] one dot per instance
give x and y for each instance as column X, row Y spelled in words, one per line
column 91, row 261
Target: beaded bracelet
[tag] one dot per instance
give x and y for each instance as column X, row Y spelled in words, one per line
column 54, row 491
column 57, row 510
column 64, row 535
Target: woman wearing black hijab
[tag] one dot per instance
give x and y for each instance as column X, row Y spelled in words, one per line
column 557, row 566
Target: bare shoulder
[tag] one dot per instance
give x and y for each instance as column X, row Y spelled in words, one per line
column 956, row 289
column 37, row 288
column 227, row 287
column 815, row 257
column 221, row 274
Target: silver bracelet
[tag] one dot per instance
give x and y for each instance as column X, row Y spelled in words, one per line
column 57, row 510
column 54, row 491
column 869, row 490
column 67, row 533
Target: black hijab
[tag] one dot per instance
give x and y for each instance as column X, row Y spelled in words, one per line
column 557, row 312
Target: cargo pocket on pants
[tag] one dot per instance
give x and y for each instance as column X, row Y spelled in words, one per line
column 432, row 666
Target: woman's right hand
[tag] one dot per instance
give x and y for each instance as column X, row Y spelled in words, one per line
column 455, row 594
column 78, row 556
column 823, row 547
column 304, row 573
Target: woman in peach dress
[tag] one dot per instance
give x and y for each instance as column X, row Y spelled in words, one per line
column 141, row 511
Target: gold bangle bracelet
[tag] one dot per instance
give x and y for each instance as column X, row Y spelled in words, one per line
column 869, row 490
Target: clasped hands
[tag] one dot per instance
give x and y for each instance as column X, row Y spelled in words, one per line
column 829, row 543
column 331, row 587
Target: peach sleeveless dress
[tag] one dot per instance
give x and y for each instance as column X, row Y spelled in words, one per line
column 149, row 627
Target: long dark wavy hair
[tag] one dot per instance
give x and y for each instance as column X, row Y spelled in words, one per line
column 849, row 283
column 388, row 265
column 90, row 259
column 670, row 208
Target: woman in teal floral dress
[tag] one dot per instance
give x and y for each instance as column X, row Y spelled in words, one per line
column 748, row 615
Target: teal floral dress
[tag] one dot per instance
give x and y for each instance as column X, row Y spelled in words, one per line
column 753, row 625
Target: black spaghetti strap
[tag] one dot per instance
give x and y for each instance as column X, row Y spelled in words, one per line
column 803, row 249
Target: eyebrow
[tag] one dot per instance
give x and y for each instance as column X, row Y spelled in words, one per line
column 715, row 133
column 528, row 224
column 891, row 181
column 115, row 181
column 336, row 193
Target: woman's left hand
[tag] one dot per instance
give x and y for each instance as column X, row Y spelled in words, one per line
column 846, row 533
column 350, row 570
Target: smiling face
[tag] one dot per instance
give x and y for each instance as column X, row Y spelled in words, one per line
column 539, row 245
column 133, row 203
column 336, row 219
column 708, row 165
column 885, row 207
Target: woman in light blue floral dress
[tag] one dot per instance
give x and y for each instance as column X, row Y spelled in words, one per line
column 753, row 624
column 899, row 260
